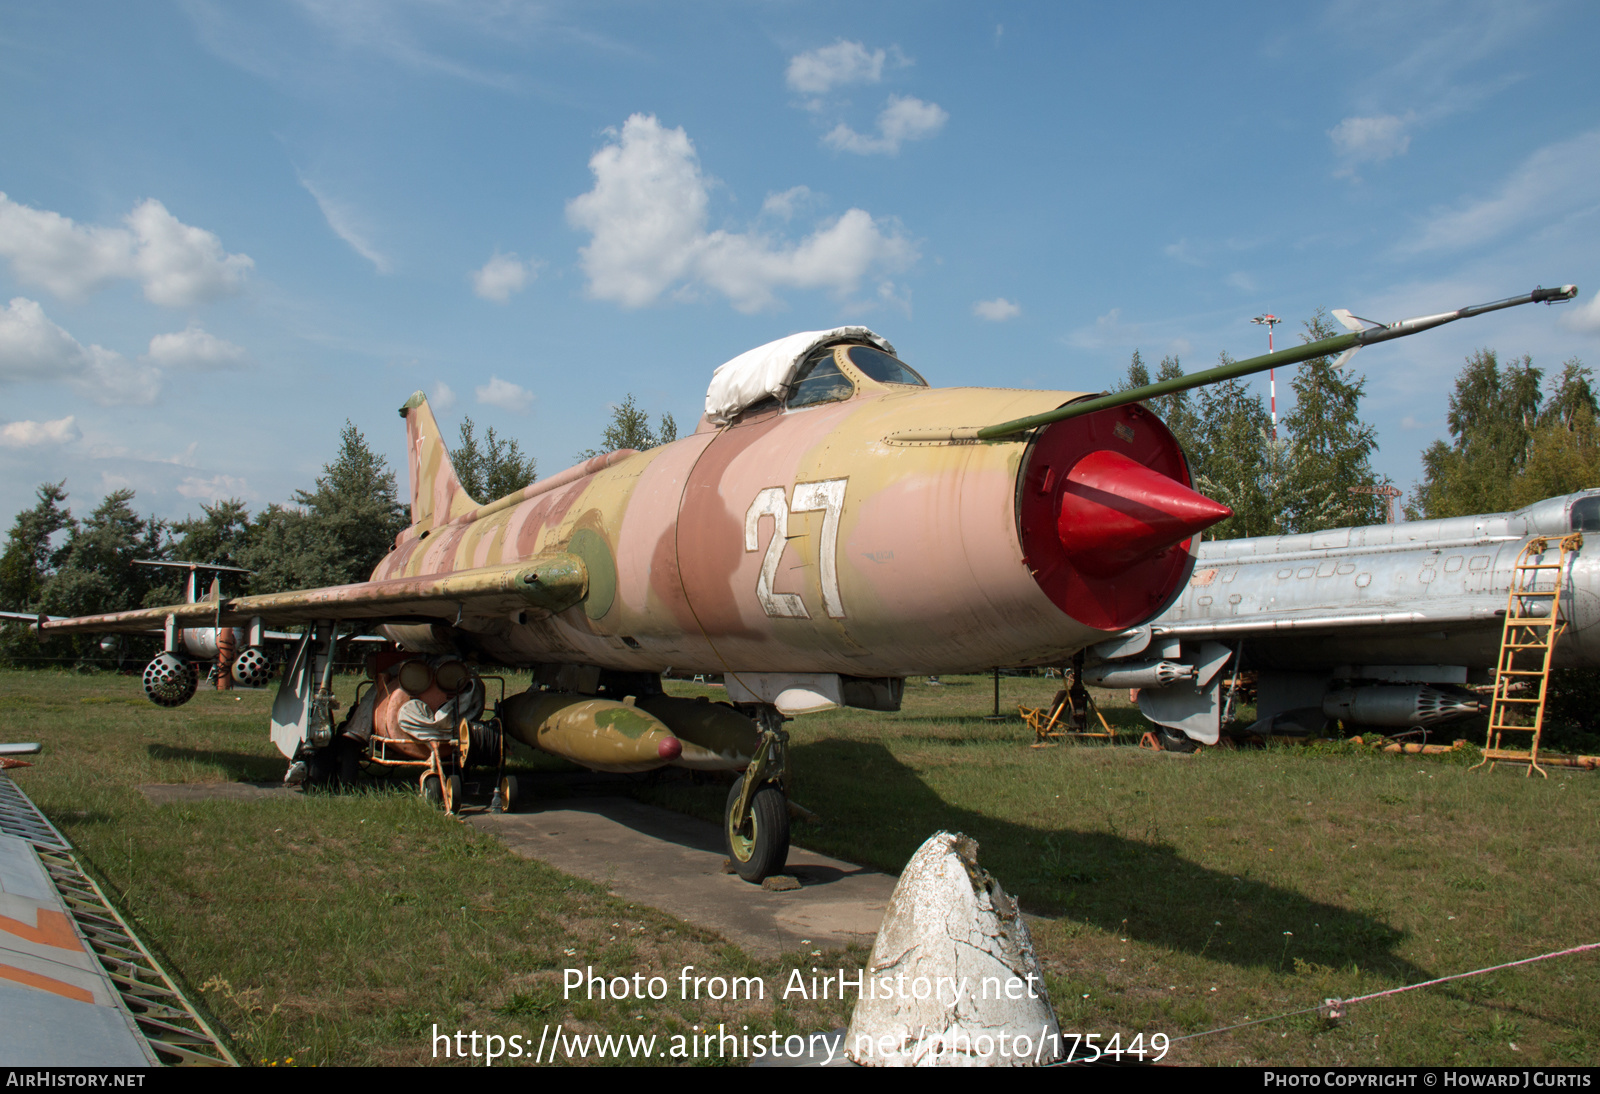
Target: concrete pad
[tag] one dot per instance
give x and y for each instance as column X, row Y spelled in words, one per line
column 660, row 858
column 674, row 862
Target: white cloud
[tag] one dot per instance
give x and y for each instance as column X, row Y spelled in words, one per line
column 746, row 268
column 180, row 265
column 350, row 225
column 647, row 212
column 216, row 488
column 34, row 348
column 647, row 218
column 1584, row 318
column 501, row 276
column 177, row 265
column 444, row 396
column 194, row 348
column 903, row 119
column 1241, row 281
column 895, row 296
column 785, row 205
column 28, row 434
column 1552, row 182
column 1184, row 252
column 1370, row 140
column 821, row 70
column 503, row 393
column 186, row 458
column 1108, row 330
column 393, row 31
column 997, row 310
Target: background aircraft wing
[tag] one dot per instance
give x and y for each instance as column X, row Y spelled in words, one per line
column 549, row 583
column 1331, row 619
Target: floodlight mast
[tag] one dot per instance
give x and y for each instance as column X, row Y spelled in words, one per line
column 1269, row 321
column 1342, row 344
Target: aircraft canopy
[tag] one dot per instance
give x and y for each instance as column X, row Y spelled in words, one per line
column 766, row 370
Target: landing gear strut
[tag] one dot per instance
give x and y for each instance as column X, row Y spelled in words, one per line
column 755, row 823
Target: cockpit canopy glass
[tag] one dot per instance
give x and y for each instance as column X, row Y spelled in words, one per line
column 1586, row 514
column 883, row 368
column 819, row 381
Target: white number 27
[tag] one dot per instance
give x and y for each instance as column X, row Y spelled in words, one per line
column 809, row 497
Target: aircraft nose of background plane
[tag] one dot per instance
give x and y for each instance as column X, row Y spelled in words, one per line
column 1116, row 511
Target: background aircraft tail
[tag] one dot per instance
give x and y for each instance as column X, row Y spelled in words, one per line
column 436, row 494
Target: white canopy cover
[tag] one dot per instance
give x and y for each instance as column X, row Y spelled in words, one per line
column 767, row 370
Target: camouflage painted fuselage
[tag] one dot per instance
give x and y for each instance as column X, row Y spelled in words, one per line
column 856, row 537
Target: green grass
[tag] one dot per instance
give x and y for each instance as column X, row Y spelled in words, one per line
column 341, row 928
column 1180, row 894
column 1173, row 894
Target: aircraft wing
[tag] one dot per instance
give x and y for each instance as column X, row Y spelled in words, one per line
column 548, row 583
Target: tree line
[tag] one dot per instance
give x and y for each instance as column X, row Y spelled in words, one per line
column 58, row 564
column 1510, row 444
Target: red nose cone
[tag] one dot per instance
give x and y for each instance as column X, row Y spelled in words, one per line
column 669, row 749
column 1116, row 511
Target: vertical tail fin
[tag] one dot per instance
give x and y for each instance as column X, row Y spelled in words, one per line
column 436, row 494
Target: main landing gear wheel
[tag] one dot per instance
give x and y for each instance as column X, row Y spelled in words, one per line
column 1174, row 741
column 759, row 847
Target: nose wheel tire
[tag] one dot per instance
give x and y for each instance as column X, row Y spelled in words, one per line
column 760, row 847
column 1174, row 741
column 505, row 796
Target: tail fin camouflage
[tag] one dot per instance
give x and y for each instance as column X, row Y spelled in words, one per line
column 436, row 494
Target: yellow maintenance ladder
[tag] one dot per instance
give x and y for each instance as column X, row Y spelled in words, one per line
column 1533, row 623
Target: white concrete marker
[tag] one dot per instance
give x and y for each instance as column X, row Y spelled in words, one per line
column 953, row 979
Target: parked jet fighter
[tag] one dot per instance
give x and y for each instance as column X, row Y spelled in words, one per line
column 832, row 526
column 236, row 653
column 1375, row 626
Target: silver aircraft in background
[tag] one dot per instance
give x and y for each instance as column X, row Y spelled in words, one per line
column 1378, row 626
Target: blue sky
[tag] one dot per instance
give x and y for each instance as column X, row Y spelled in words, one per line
column 228, row 228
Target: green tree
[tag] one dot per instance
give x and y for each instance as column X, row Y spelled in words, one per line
column 358, row 505
column 493, row 469
column 1293, row 479
column 289, row 549
column 340, row 531
column 221, row 534
column 1330, row 447
column 1564, row 449
column 26, row 567
column 1175, row 409
column 96, row 572
column 28, row 560
column 1574, row 395
column 1138, row 375
column 630, row 428
column 1233, row 458
column 1509, row 446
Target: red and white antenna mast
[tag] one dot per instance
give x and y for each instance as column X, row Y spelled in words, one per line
column 1270, row 321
